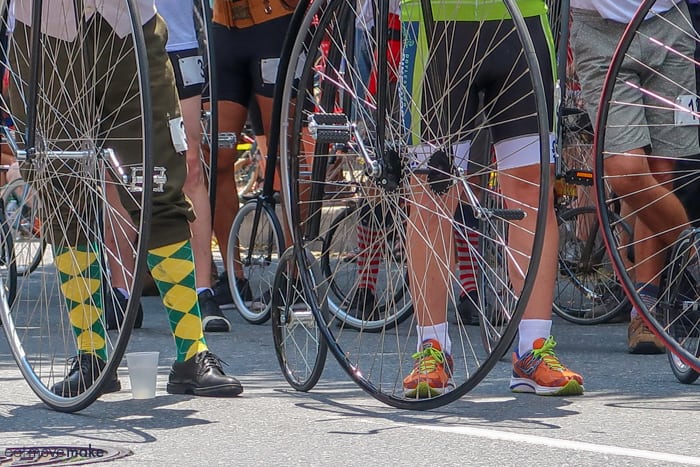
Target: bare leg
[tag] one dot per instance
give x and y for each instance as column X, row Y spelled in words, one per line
column 520, row 186
column 430, row 251
column 195, row 188
column 232, row 117
column 660, row 216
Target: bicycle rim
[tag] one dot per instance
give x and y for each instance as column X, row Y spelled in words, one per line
column 256, row 244
column 87, row 163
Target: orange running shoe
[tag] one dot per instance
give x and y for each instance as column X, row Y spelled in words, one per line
column 541, row 372
column 431, row 375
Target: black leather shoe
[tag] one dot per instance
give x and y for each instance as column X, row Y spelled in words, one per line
column 85, row 370
column 115, row 306
column 202, row 375
column 213, row 320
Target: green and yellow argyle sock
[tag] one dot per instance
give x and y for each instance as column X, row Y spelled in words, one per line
column 79, row 271
column 172, row 268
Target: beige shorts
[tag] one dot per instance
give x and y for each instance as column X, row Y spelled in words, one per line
column 638, row 119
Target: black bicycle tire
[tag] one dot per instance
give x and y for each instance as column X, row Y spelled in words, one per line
column 684, row 373
column 211, row 89
column 319, row 363
column 501, row 348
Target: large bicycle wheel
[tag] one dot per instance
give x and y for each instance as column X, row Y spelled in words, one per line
column 587, row 290
column 361, row 154
column 255, row 245
column 299, row 344
column 81, row 107
column 21, row 215
column 646, row 163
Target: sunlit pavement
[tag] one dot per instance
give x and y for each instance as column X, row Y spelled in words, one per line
column 634, row 412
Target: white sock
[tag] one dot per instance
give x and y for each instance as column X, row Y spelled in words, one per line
column 437, row 332
column 529, row 331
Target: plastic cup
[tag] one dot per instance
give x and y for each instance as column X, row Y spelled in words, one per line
column 143, row 371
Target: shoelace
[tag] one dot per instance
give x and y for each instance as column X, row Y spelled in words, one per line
column 209, row 360
column 546, row 354
column 428, row 359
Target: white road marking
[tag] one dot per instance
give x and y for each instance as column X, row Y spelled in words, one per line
column 561, row 443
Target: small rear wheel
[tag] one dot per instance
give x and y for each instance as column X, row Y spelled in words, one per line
column 363, row 261
column 683, row 372
column 299, row 344
column 678, row 310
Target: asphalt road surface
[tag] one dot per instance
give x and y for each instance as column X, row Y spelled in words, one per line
column 634, row 412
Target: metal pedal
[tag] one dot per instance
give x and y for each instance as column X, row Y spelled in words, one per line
column 227, row 140
column 506, row 214
column 579, row 177
column 134, row 180
column 330, row 128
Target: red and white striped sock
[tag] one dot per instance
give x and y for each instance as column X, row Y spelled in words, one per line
column 369, row 243
column 465, row 260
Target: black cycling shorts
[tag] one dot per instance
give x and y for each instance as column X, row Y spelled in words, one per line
column 247, row 59
column 498, row 87
column 189, row 72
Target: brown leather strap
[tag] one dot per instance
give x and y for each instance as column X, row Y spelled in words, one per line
column 246, row 13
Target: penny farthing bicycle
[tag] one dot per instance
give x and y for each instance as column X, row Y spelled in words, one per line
column 353, row 129
column 80, row 100
column 657, row 194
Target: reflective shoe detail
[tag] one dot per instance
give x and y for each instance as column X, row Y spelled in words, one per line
column 213, row 319
column 84, row 371
column 539, row 371
column 202, row 375
column 431, row 375
column 640, row 339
